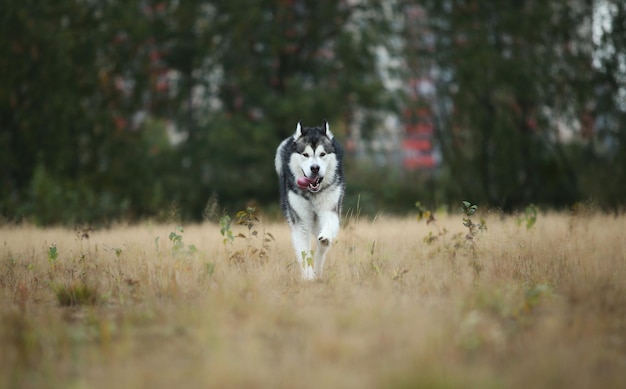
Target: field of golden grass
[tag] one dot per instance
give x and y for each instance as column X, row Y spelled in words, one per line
column 403, row 304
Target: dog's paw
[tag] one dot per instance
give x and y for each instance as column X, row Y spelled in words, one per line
column 323, row 240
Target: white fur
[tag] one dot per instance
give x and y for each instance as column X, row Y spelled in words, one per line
column 298, row 132
column 328, row 133
column 317, row 213
column 300, row 163
column 324, row 228
column 277, row 160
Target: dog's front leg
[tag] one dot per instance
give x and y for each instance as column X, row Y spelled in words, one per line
column 328, row 227
column 328, row 230
column 301, row 238
column 320, row 257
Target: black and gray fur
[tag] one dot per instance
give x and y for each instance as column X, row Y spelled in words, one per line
column 313, row 155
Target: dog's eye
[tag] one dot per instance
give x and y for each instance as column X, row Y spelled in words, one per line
column 305, row 155
column 322, row 154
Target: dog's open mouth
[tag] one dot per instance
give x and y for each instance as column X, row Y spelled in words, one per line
column 312, row 184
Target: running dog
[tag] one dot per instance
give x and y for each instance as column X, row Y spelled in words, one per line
column 310, row 173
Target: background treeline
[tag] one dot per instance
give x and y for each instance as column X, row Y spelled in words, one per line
column 139, row 109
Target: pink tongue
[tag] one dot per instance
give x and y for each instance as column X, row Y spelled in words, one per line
column 304, row 182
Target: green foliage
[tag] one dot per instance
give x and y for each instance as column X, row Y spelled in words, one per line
column 178, row 247
column 423, row 213
column 534, row 295
column 516, row 75
column 496, row 313
column 373, row 189
column 132, row 106
column 53, row 254
column 76, row 294
column 225, row 229
column 54, row 198
column 257, row 241
column 176, row 239
column 210, row 268
column 156, row 243
column 247, row 218
column 473, row 228
column 118, row 251
column 116, row 110
column 529, row 218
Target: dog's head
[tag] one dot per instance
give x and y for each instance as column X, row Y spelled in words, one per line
column 314, row 159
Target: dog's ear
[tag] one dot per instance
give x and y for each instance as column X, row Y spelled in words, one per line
column 327, row 130
column 298, row 132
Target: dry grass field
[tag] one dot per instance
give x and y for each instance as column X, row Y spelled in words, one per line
column 403, row 304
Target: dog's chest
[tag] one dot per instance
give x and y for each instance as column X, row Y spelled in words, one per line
column 315, row 202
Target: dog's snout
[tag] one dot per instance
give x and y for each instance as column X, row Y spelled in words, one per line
column 315, row 169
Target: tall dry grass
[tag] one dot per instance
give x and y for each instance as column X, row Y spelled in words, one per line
column 544, row 307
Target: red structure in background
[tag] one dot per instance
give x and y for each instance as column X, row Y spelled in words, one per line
column 417, row 146
column 418, row 150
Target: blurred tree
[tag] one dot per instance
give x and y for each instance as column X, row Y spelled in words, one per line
column 78, row 78
column 603, row 165
column 278, row 62
column 120, row 108
column 53, row 122
column 515, row 74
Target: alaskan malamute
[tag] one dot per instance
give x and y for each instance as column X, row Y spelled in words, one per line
column 310, row 172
